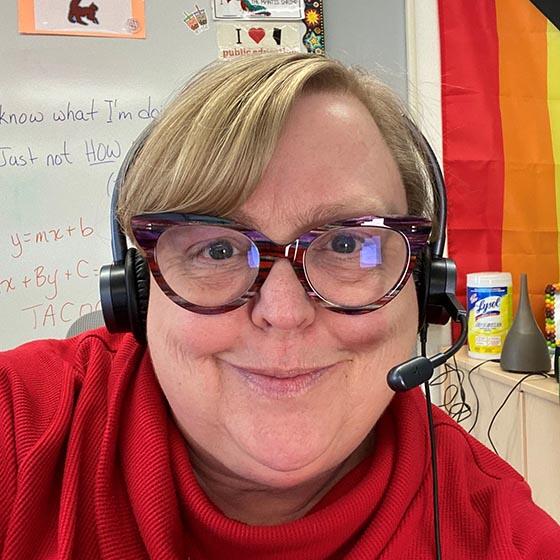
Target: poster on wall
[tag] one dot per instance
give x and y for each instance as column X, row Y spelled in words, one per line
column 246, row 38
column 273, row 9
column 102, row 18
column 269, row 32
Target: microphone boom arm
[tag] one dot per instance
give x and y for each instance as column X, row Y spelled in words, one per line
column 419, row 370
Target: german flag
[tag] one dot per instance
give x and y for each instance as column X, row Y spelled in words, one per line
column 500, row 79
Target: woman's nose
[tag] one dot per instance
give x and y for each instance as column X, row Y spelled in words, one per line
column 282, row 301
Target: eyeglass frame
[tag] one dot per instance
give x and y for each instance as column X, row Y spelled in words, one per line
column 147, row 229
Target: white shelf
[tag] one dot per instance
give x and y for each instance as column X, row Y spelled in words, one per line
column 526, row 432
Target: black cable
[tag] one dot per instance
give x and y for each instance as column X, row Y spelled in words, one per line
column 464, row 407
column 459, row 411
column 474, row 390
column 505, row 401
column 441, row 378
column 437, row 539
column 434, row 472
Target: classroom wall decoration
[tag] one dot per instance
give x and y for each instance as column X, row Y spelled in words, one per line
column 196, row 20
column 314, row 38
column 242, row 39
column 500, row 66
column 247, row 9
column 102, row 18
column 274, row 27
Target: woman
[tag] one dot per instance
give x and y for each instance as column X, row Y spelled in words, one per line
column 257, row 422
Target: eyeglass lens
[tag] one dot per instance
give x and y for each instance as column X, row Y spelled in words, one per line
column 212, row 266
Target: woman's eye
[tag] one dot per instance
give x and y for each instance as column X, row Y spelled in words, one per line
column 343, row 243
column 219, row 250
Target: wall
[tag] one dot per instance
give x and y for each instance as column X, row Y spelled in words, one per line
column 372, row 34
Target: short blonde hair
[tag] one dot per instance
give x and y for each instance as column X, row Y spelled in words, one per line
column 208, row 149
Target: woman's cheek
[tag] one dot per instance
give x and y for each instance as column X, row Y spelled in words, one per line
column 205, row 335
column 395, row 323
column 196, row 335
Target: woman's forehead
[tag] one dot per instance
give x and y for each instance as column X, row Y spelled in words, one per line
column 331, row 162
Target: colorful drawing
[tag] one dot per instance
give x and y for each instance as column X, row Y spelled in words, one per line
column 77, row 12
column 197, row 20
column 201, row 16
column 259, row 9
column 246, row 6
column 90, row 18
column 191, row 21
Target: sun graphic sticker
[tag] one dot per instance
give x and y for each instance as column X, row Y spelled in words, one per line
column 102, row 18
column 312, row 17
column 259, row 9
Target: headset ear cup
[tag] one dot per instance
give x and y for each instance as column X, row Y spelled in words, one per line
column 137, row 289
column 421, row 276
column 114, row 299
column 441, row 296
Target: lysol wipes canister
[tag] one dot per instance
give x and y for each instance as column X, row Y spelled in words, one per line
column 490, row 313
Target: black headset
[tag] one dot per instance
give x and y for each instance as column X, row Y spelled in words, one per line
column 124, row 285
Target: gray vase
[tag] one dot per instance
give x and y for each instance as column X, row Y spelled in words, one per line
column 525, row 348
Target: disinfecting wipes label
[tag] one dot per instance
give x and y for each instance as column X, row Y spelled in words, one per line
column 489, row 319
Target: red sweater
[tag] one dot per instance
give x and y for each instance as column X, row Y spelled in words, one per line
column 93, row 466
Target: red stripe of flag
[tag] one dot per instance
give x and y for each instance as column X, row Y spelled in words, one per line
column 472, row 136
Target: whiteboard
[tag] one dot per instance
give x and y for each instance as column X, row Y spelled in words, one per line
column 70, row 108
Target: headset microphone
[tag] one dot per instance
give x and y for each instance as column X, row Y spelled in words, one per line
column 419, row 370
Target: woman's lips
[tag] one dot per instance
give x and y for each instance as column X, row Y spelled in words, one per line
column 281, row 383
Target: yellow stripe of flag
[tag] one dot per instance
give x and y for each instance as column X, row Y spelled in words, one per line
column 553, row 55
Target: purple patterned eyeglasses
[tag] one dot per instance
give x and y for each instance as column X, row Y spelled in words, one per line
column 212, row 265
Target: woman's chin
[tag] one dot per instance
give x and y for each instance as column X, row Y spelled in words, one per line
column 284, row 467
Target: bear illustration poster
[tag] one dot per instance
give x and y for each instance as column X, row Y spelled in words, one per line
column 102, row 18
